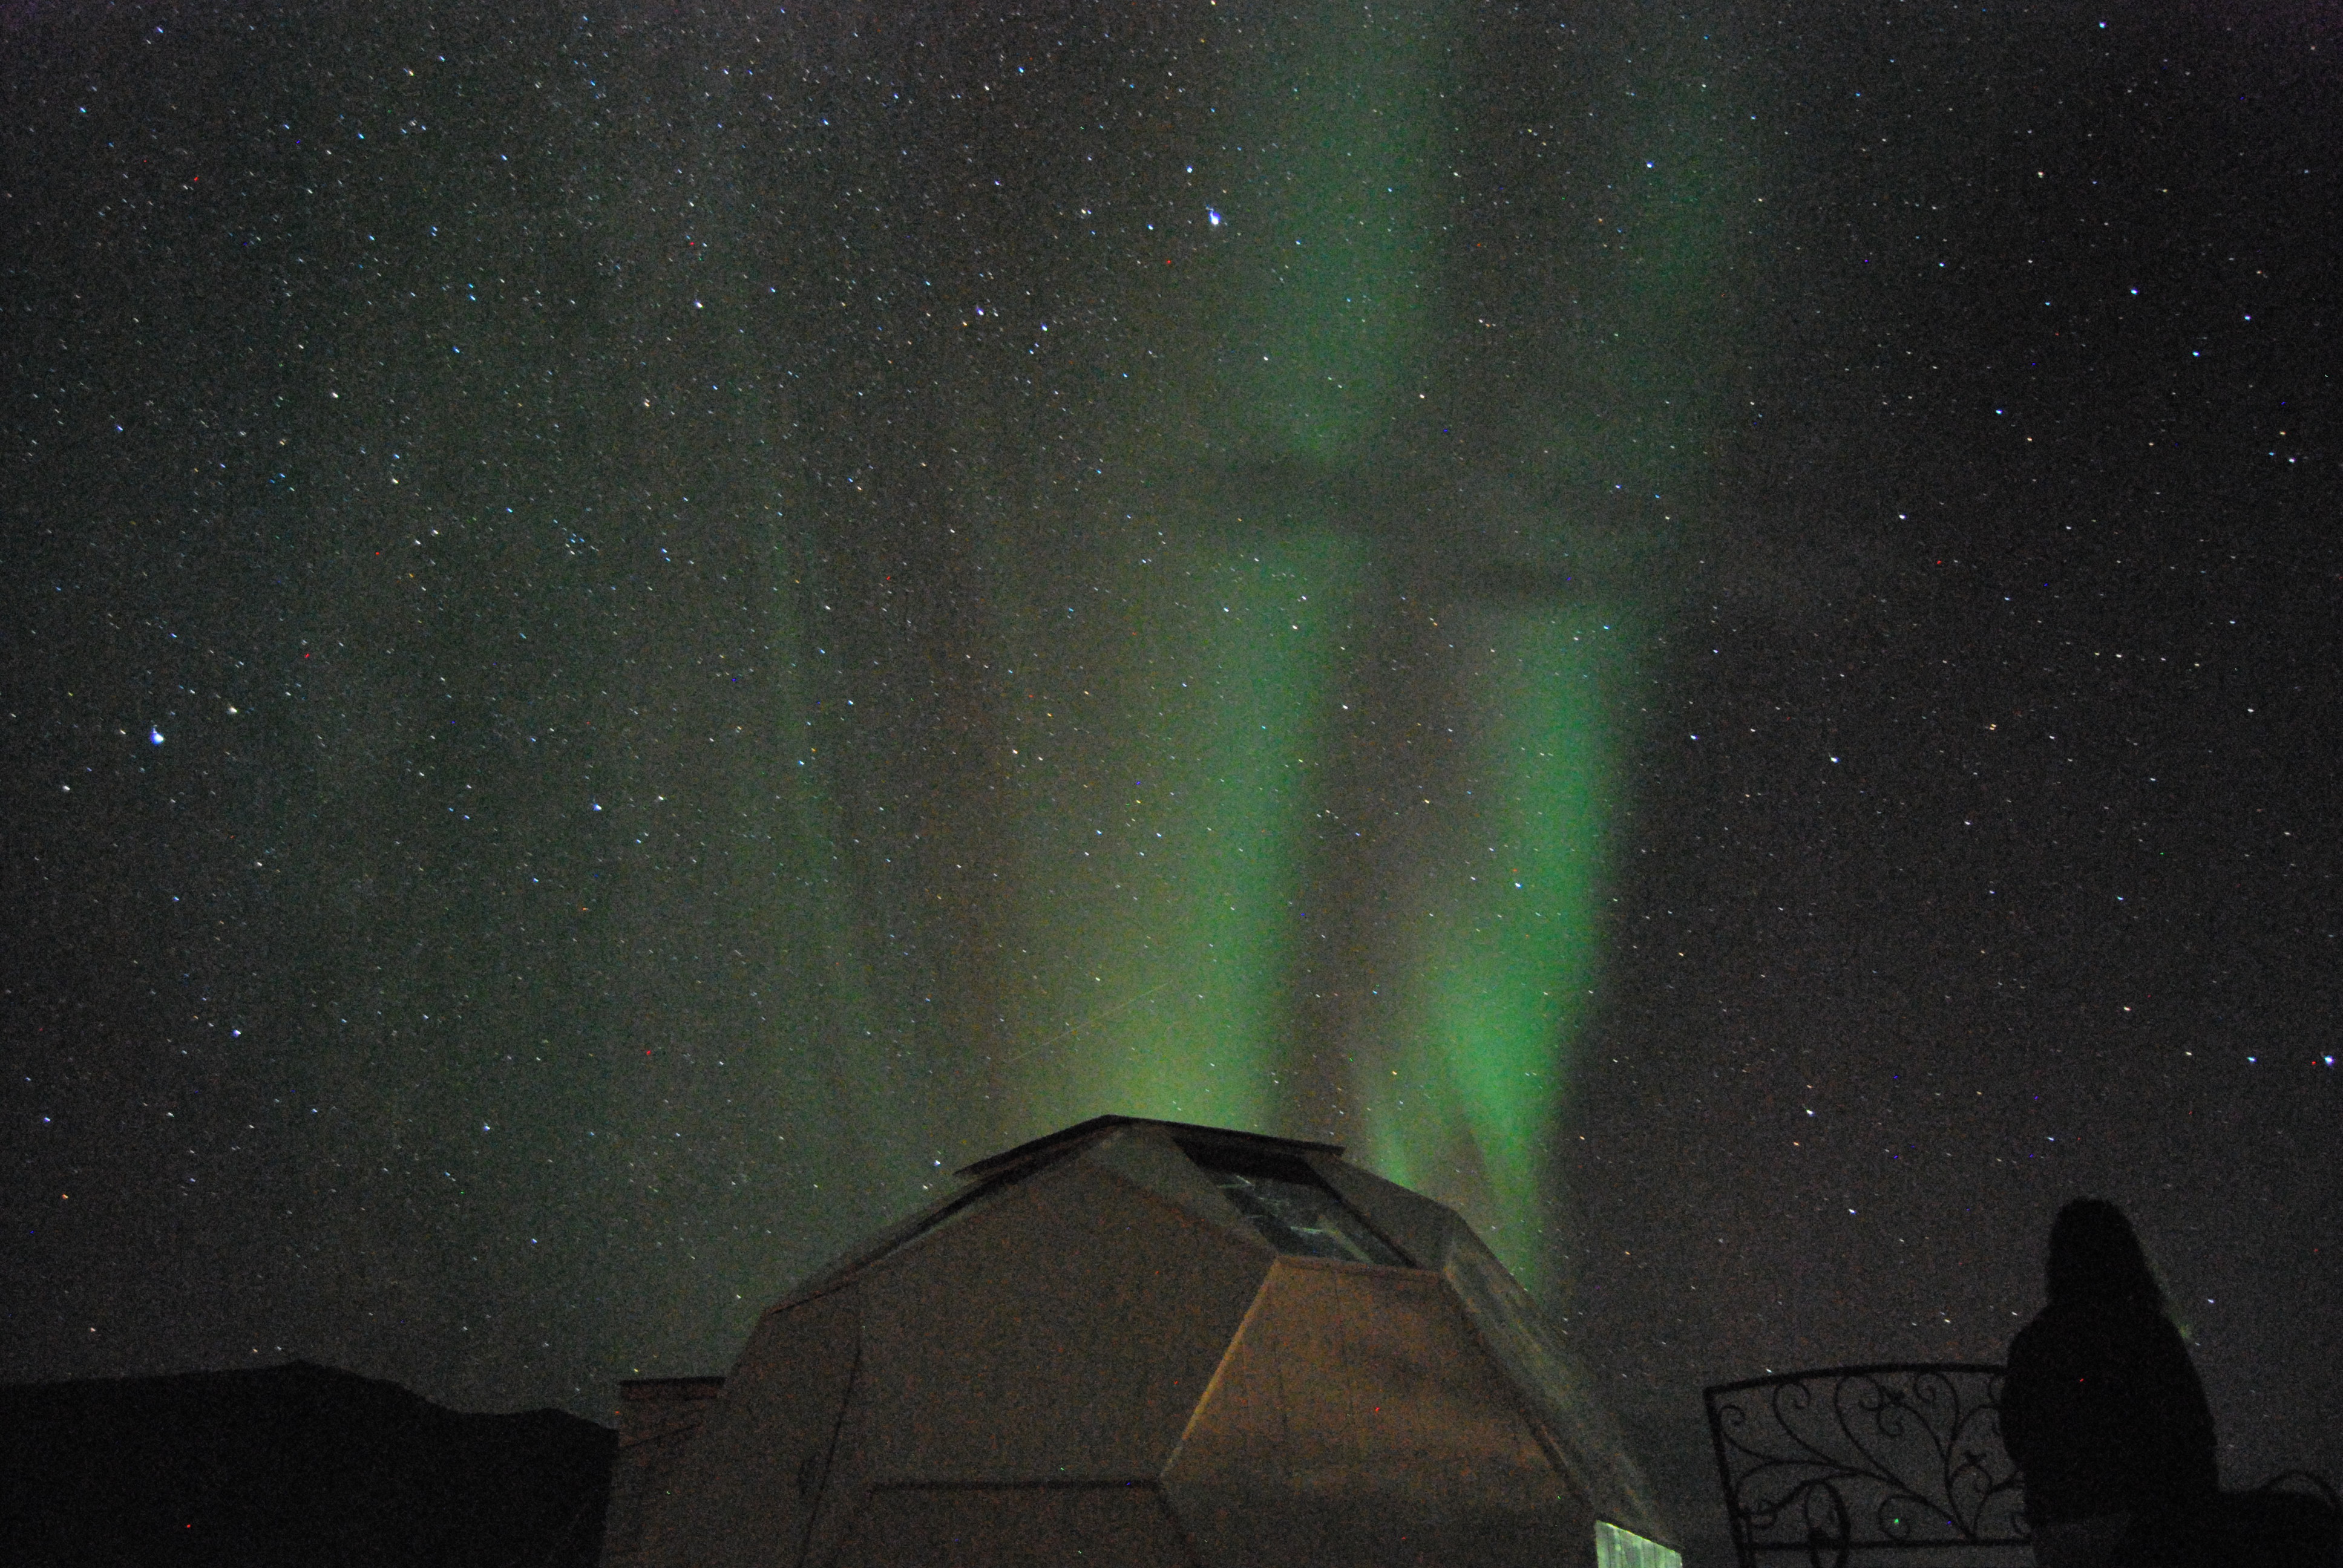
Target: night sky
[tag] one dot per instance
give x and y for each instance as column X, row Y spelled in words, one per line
column 631, row 632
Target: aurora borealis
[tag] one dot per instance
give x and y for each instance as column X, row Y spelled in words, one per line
column 633, row 632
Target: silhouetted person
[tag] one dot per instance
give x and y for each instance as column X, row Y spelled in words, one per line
column 2102, row 1409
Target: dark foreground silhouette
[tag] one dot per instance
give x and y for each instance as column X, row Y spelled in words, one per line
column 2103, row 1412
column 290, row 1465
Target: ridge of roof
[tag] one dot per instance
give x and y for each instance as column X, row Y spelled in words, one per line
column 1097, row 1126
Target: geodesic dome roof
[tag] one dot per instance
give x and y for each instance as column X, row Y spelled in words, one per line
column 1145, row 1343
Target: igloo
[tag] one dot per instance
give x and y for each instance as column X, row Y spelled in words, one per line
column 1142, row 1343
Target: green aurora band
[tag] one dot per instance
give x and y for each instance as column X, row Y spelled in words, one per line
column 1170, row 854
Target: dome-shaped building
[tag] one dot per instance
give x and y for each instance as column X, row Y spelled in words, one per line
column 1140, row 1342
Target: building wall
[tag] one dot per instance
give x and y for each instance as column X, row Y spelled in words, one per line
column 658, row 1418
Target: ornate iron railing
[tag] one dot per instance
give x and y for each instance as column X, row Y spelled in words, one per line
column 1840, row 1464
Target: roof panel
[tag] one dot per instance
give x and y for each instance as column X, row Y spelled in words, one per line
column 1357, row 1419
column 1416, row 1224
column 1067, row 1331
column 757, row 1470
column 1590, row 1444
column 1012, row 1158
column 1146, row 1158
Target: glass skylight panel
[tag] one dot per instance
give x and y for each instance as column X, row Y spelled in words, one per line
column 1617, row 1548
column 1293, row 1210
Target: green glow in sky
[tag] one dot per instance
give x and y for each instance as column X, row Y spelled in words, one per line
column 642, row 630
column 1169, row 806
column 1501, row 965
column 1169, row 846
column 1337, row 232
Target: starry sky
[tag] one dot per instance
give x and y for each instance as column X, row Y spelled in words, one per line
column 631, row 632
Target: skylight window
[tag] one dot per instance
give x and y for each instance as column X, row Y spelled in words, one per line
column 1293, row 1210
column 1617, row 1548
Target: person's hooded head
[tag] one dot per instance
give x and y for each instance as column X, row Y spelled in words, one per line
column 2095, row 1257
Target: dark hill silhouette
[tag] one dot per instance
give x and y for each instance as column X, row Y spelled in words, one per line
column 290, row 1465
